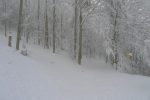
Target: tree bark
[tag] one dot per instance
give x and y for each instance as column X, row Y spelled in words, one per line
column 54, row 26
column 19, row 25
column 5, row 11
column 39, row 36
column 46, row 28
column 75, row 28
column 80, row 38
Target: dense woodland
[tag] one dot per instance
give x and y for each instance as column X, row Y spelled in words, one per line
column 117, row 31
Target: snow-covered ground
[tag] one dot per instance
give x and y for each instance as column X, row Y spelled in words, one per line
column 46, row 76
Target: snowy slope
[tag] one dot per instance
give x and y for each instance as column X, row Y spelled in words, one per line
column 46, row 76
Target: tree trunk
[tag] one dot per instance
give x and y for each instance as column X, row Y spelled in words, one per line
column 61, row 31
column 54, row 26
column 116, row 34
column 9, row 41
column 5, row 11
column 75, row 28
column 80, row 38
column 19, row 25
column 5, row 28
column 39, row 35
column 46, row 28
column 115, row 40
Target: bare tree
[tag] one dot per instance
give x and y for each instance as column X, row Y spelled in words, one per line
column 81, row 4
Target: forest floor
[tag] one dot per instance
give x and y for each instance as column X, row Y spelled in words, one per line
column 45, row 76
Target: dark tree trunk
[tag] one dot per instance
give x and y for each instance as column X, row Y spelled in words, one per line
column 19, row 25
column 80, row 39
column 54, row 27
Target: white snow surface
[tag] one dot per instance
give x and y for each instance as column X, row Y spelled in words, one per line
column 46, row 76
